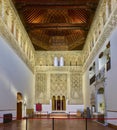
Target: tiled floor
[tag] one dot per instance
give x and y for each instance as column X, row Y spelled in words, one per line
column 45, row 123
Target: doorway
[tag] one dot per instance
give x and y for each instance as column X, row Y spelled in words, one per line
column 19, row 105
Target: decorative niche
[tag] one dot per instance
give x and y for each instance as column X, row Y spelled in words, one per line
column 92, row 74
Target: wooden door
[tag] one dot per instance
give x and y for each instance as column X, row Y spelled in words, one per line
column 19, row 110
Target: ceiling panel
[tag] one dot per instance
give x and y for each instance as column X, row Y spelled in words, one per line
column 57, row 24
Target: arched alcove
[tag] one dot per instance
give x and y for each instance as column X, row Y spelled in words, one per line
column 53, row 103
column 63, row 103
column 58, row 103
column 100, row 100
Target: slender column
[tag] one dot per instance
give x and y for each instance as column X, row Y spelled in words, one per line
column 68, row 85
column 55, row 103
column 61, row 104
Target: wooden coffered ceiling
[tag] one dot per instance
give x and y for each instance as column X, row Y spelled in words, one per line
column 57, row 24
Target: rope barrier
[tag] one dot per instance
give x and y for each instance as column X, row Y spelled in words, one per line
column 54, row 119
column 71, row 118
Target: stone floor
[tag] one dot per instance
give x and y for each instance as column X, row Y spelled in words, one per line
column 46, row 123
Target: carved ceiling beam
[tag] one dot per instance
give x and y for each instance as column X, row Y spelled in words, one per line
column 54, row 26
column 46, row 2
column 29, row 6
column 74, row 45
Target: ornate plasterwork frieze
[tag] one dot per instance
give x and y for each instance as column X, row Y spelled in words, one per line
column 5, row 34
column 46, row 58
column 23, row 46
column 12, row 30
column 60, row 81
column 76, row 93
column 41, row 88
column 58, row 84
column 58, row 69
column 107, row 29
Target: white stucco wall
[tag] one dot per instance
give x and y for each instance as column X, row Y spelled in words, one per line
column 112, row 74
column 112, row 81
column 15, row 77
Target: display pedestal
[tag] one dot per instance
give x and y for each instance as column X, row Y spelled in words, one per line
column 99, row 117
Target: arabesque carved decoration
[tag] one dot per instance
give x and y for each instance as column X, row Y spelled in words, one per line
column 55, row 81
column 41, row 88
column 76, row 96
column 45, row 58
column 58, row 85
